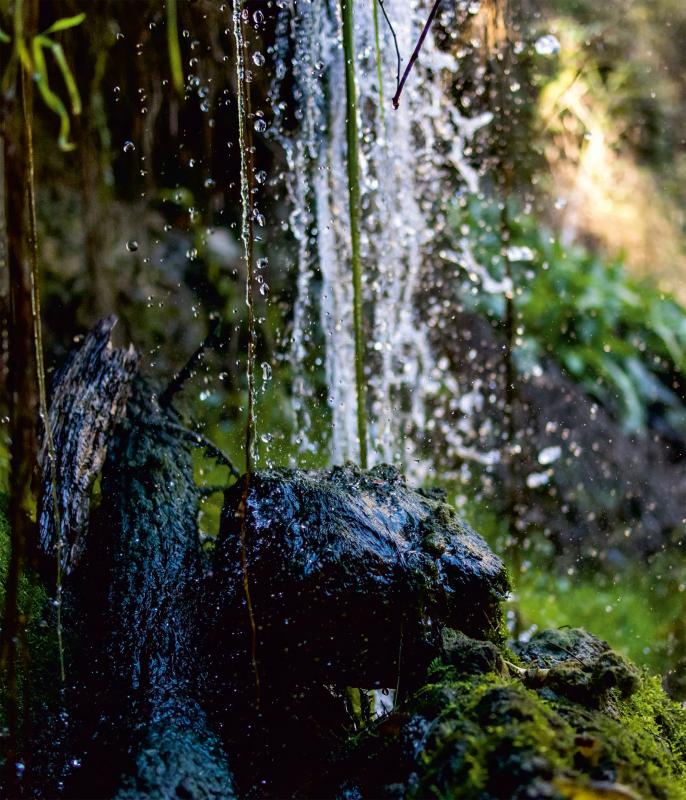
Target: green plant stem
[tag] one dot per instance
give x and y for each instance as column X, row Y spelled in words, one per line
column 173, row 46
column 27, row 105
column 379, row 71
column 354, row 206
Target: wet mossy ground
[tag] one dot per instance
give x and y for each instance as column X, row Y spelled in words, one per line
column 561, row 716
column 587, row 725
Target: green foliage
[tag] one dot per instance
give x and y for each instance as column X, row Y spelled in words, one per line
column 173, row 46
column 637, row 610
column 32, row 59
column 623, row 340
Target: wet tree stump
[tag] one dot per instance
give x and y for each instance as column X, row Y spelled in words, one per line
column 132, row 579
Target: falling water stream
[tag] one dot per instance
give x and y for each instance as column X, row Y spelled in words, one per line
column 405, row 156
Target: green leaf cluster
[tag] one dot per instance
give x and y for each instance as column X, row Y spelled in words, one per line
column 31, row 56
column 623, row 339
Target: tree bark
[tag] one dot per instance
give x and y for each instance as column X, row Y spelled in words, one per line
column 133, row 575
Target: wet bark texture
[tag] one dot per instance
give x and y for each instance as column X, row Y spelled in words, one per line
column 132, row 586
column 88, row 402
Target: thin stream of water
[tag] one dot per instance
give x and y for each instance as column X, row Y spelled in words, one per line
column 247, row 235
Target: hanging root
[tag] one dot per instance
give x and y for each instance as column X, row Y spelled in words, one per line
column 415, row 54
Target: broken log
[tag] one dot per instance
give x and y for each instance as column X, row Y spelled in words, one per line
column 133, row 575
column 88, row 401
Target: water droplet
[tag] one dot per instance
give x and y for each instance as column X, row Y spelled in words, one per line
column 524, row 253
column 547, row 45
column 266, row 371
column 260, row 125
column 129, row 146
column 536, row 479
column 132, row 245
column 549, row 455
column 258, row 59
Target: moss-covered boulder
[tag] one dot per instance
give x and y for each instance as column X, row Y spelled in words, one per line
column 342, row 564
column 572, row 719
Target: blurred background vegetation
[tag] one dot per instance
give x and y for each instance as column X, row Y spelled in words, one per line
column 584, row 196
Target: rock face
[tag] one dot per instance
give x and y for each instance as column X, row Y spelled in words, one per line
column 576, row 721
column 347, row 571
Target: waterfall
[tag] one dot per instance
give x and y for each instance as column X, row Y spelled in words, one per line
column 405, row 159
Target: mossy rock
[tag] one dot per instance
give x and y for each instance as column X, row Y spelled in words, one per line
column 343, row 565
column 573, row 727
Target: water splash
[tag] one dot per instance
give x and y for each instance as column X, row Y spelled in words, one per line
column 405, row 158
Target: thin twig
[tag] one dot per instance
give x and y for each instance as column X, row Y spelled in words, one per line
column 415, row 53
column 379, row 71
column 186, row 371
column 201, row 441
column 354, row 209
column 208, row 491
column 395, row 42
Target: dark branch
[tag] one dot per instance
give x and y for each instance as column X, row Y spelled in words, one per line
column 186, row 371
column 395, row 40
column 415, row 54
column 200, row 441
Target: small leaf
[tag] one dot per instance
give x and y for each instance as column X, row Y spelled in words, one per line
column 52, row 101
column 68, row 77
column 4, row 37
column 64, row 23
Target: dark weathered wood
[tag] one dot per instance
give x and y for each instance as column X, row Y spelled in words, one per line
column 137, row 725
column 145, row 558
column 89, row 400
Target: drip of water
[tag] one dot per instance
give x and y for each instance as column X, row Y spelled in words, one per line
column 247, row 235
column 405, row 157
column 247, row 216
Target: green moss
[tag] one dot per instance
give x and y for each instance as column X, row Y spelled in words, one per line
column 566, row 726
column 638, row 611
column 31, row 596
column 35, row 606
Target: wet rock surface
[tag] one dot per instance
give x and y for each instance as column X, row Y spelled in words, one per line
column 345, row 568
column 595, row 728
column 351, row 577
